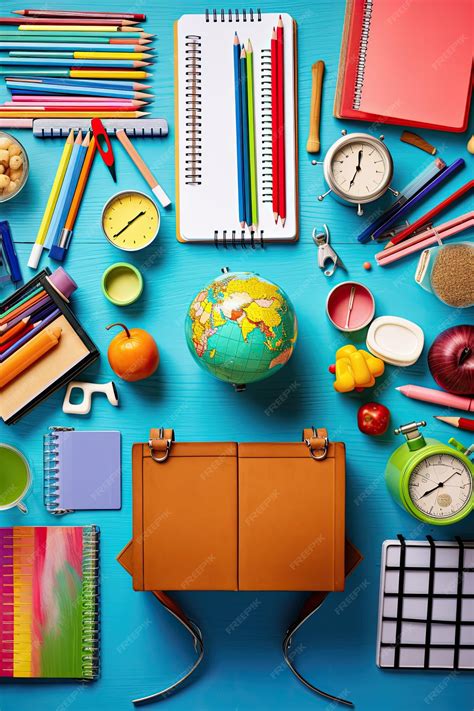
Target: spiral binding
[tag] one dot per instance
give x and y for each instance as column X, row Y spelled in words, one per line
column 238, row 238
column 193, row 158
column 267, row 128
column 51, row 472
column 90, row 603
column 242, row 16
column 364, row 40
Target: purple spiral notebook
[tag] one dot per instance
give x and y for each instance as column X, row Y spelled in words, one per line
column 82, row 470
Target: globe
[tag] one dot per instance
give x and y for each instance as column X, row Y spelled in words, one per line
column 241, row 328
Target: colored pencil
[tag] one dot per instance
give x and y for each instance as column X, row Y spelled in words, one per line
column 138, row 16
column 76, row 73
column 238, row 129
column 14, row 331
column 274, row 62
column 36, row 113
column 252, row 149
column 86, row 36
column 27, row 297
column 143, row 168
column 245, row 135
column 59, row 248
column 85, row 63
column 78, row 54
column 33, row 311
column 67, row 193
column 78, row 21
column 51, row 203
column 463, row 423
column 28, row 336
column 24, row 304
column 93, row 83
column 16, row 123
column 12, row 47
column 72, row 28
column 38, row 100
column 51, row 90
column 51, row 231
column 281, row 123
column 71, row 106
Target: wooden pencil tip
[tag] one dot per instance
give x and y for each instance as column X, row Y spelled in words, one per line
column 275, row 217
column 236, row 38
column 87, row 139
column 243, row 53
column 70, row 138
column 18, row 12
column 79, row 137
column 283, row 222
column 388, row 245
column 249, row 46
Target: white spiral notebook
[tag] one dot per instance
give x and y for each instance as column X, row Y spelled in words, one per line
column 206, row 152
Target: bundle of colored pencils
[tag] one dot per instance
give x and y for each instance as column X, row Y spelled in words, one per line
column 245, row 128
column 74, row 64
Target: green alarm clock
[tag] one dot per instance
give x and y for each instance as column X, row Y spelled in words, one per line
column 431, row 480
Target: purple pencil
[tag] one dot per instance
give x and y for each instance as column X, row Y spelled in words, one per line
column 28, row 312
column 21, row 342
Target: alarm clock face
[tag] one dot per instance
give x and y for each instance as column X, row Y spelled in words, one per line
column 358, row 168
column 130, row 220
column 440, row 486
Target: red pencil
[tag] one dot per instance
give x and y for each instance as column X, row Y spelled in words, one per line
column 63, row 21
column 274, row 126
column 14, row 331
column 281, row 124
column 463, row 423
column 138, row 16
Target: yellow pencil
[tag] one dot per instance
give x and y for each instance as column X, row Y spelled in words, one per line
column 51, row 204
column 73, row 114
column 112, row 55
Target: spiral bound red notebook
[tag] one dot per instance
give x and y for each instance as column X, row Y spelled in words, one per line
column 407, row 63
column 206, row 150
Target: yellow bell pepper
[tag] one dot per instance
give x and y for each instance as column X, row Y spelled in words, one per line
column 356, row 369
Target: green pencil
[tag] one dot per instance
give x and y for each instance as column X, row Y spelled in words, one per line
column 252, row 156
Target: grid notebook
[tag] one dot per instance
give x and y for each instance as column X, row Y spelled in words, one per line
column 82, row 470
column 206, row 149
column 49, row 602
column 426, row 605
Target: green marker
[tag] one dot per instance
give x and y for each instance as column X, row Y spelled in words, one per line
column 251, row 115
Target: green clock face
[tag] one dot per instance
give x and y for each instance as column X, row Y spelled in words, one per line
column 440, row 486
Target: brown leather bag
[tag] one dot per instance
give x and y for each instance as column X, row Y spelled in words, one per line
column 229, row 516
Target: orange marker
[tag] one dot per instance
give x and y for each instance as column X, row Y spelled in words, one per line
column 29, row 354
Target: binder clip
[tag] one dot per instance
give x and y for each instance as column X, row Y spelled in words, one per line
column 88, row 389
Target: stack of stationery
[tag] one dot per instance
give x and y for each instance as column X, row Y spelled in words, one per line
column 71, row 64
column 49, row 602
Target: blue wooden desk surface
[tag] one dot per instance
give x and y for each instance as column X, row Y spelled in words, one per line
column 142, row 648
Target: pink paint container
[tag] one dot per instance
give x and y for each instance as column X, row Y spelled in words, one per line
column 338, row 306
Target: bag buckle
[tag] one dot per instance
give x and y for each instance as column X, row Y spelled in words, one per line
column 324, row 450
column 165, row 456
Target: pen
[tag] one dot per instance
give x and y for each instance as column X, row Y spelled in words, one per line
column 437, row 397
column 444, row 175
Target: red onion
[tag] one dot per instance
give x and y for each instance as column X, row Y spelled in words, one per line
column 451, row 360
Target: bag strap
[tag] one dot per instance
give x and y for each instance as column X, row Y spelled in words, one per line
column 160, row 443
column 317, row 441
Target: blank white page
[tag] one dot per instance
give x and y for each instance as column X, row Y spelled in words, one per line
column 207, row 192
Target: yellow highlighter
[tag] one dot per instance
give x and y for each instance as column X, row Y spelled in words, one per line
column 51, row 204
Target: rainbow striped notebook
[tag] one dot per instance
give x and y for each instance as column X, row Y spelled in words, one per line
column 49, row 602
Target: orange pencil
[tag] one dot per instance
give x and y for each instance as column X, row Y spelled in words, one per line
column 14, row 331
column 29, row 354
column 24, row 306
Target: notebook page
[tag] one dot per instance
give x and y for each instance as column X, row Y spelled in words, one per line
column 418, row 63
column 212, row 205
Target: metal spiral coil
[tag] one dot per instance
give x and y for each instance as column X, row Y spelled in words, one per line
column 364, row 40
column 193, row 120
column 51, row 484
column 90, row 604
column 243, row 16
column 267, row 128
column 238, row 238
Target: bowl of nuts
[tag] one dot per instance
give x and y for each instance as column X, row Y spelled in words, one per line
column 14, row 166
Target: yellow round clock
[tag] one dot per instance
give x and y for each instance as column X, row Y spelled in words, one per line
column 130, row 220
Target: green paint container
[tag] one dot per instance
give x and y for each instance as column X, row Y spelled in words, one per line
column 122, row 283
column 15, row 478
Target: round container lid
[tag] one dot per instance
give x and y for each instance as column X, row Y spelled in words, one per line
column 395, row 340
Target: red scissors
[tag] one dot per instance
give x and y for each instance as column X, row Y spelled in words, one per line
column 101, row 137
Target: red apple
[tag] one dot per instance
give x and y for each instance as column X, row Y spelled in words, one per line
column 373, row 418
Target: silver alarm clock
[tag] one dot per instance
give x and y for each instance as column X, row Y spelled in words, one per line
column 358, row 169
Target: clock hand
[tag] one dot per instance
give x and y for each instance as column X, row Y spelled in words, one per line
column 129, row 223
column 358, row 168
column 438, row 486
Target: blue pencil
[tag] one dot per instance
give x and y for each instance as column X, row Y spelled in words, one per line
column 245, row 136
column 18, row 88
column 238, row 129
column 418, row 197
column 68, row 178
column 31, row 334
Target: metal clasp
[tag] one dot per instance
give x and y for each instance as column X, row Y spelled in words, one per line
column 324, row 450
column 162, row 459
column 326, row 252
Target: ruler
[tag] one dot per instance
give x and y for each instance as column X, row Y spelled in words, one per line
column 51, row 128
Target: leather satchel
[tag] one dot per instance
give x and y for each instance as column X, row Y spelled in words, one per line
column 233, row 516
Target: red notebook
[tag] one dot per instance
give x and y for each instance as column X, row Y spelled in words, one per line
column 407, row 62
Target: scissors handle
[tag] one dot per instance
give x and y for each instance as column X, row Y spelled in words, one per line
column 101, row 137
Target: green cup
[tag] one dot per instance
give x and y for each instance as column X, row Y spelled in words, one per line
column 15, row 478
